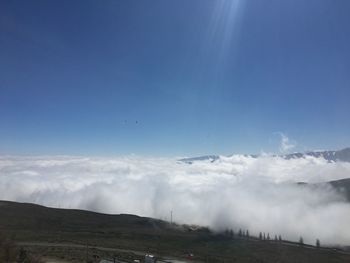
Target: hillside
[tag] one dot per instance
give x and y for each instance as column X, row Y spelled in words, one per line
column 29, row 216
column 343, row 186
column 49, row 231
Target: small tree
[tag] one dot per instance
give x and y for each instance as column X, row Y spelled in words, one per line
column 260, row 236
column 240, row 233
column 276, row 239
column 268, row 236
column 301, row 241
column 247, row 234
column 264, row 237
column 279, row 238
column 318, row 244
column 232, row 234
column 22, row 256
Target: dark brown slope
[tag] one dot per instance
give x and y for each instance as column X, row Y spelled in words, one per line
column 30, row 216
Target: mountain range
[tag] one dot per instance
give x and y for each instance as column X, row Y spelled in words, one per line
column 331, row 156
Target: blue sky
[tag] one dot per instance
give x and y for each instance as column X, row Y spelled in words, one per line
column 164, row 77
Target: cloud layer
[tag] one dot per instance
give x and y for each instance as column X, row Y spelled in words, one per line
column 259, row 194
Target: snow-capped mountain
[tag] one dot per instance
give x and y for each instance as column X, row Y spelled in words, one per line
column 211, row 158
column 331, row 156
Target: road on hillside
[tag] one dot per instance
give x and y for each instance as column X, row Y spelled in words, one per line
column 72, row 245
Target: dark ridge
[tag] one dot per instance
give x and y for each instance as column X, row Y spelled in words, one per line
column 342, row 186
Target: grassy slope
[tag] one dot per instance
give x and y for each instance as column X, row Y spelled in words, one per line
column 28, row 222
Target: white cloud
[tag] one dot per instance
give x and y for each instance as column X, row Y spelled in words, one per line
column 237, row 192
column 285, row 144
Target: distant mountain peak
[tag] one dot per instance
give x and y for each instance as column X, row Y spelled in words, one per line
column 211, row 158
column 332, row 156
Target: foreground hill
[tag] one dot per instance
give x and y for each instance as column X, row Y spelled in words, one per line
column 31, row 216
column 65, row 233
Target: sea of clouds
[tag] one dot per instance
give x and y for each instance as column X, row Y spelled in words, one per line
column 259, row 194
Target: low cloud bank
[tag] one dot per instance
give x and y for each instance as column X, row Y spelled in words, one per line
column 259, row 194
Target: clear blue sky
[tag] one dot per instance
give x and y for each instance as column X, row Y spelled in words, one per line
column 166, row 77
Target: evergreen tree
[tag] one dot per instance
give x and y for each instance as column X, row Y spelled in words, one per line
column 247, row 233
column 240, row 233
column 22, row 256
column 232, row 233
column 301, row 241
column 264, row 237
column 318, row 244
column 276, row 239
column 279, row 238
column 260, row 236
column 268, row 236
